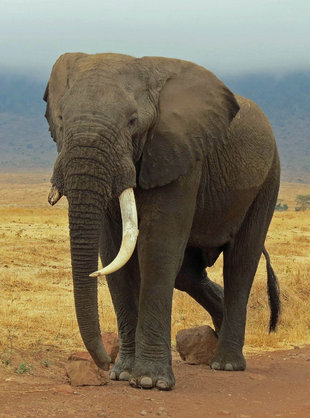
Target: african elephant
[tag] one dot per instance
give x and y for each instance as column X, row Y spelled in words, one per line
column 163, row 144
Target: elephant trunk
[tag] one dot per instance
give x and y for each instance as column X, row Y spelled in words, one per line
column 92, row 174
column 84, row 221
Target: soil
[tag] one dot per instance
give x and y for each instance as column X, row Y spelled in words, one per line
column 275, row 384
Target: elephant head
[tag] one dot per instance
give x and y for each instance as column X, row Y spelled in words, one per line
column 120, row 123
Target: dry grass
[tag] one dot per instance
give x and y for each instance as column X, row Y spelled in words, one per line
column 36, row 307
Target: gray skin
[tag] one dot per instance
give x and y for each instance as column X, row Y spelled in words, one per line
column 206, row 177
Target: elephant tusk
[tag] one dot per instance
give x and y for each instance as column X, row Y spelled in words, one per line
column 130, row 233
column 54, row 195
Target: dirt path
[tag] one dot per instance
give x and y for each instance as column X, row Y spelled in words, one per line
column 275, row 384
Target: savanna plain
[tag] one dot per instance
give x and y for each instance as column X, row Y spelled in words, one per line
column 37, row 305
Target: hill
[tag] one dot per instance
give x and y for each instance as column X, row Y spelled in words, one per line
column 25, row 143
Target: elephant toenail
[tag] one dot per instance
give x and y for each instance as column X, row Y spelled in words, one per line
column 113, row 376
column 229, row 367
column 162, row 385
column 125, row 375
column 146, row 382
column 215, row 365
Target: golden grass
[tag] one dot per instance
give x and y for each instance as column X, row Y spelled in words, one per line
column 37, row 308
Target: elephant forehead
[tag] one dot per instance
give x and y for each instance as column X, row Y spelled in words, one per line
column 97, row 98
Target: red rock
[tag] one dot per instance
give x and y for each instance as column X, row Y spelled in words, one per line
column 110, row 341
column 111, row 344
column 196, row 345
column 84, row 373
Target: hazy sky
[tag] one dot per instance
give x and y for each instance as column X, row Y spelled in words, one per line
column 226, row 36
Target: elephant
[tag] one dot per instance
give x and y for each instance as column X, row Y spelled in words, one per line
column 164, row 169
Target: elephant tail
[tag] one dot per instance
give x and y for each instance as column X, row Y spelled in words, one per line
column 273, row 293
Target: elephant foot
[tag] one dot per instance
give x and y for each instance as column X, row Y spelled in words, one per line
column 122, row 369
column 229, row 361
column 148, row 375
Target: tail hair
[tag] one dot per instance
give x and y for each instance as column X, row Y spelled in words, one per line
column 273, row 293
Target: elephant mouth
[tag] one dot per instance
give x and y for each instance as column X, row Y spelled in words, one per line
column 130, row 233
column 54, row 196
column 130, row 229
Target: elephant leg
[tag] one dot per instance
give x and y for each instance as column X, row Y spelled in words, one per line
column 124, row 289
column 241, row 257
column 193, row 279
column 166, row 219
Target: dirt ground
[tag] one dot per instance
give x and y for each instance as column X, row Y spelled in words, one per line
column 275, row 384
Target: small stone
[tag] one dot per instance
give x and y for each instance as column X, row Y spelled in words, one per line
column 196, row 345
column 256, row 376
column 224, row 412
column 143, row 412
column 111, row 344
column 63, row 389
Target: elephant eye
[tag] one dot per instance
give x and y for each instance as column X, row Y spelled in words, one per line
column 132, row 121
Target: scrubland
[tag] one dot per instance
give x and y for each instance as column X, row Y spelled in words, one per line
column 37, row 307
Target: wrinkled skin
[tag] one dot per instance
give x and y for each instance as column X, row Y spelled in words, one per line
column 206, row 178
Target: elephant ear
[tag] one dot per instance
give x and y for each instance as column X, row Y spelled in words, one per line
column 195, row 111
column 56, row 88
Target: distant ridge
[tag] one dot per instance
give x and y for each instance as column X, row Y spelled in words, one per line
column 25, row 143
